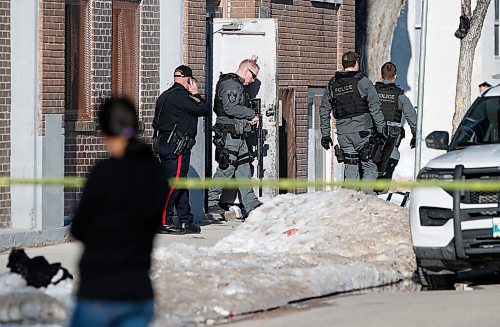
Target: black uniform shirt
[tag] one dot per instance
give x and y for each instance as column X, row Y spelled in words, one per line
column 180, row 108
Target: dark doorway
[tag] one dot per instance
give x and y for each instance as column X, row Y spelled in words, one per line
column 287, row 140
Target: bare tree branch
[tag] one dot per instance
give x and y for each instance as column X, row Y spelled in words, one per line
column 466, row 7
column 466, row 59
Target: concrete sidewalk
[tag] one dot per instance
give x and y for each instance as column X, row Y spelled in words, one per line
column 68, row 254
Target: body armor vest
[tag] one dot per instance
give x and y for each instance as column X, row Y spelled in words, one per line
column 388, row 95
column 218, row 106
column 346, row 100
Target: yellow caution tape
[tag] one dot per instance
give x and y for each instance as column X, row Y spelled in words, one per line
column 66, row 181
column 286, row 184
column 283, row 183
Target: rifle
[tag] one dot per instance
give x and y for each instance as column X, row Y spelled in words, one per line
column 259, row 134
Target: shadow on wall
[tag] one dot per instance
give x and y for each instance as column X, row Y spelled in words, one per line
column 361, row 17
column 401, row 48
column 196, row 198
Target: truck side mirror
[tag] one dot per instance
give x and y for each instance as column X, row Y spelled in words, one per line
column 438, row 140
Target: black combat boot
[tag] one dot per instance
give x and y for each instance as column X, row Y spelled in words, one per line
column 172, row 229
column 216, row 210
column 192, row 229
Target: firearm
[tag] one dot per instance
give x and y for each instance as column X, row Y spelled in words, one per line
column 259, row 134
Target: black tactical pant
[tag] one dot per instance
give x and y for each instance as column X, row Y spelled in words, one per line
column 389, row 169
column 175, row 167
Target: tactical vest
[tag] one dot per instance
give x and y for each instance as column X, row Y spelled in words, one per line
column 389, row 95
column 157, row 118
column 346, row 100
column 218, row 106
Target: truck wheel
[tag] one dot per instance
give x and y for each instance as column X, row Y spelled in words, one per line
column 433, row 282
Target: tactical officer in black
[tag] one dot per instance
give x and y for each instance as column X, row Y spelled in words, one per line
column 175, row 123
column 356, row 107
column 235, row 119
column 395, row 105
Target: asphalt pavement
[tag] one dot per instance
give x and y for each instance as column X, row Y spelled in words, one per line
column 410, row 309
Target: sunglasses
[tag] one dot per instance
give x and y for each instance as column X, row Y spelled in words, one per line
column 254, row 76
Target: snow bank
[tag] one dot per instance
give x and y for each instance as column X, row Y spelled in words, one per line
column 21, row 304
column 293, row 247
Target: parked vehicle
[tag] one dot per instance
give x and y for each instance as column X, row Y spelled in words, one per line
column 458, row 231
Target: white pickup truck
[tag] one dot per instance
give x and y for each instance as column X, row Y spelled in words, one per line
column 459, row 231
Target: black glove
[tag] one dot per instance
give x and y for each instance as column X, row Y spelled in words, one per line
column 326, row 141
column 412, row 142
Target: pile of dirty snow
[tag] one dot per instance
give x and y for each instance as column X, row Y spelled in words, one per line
column 293, row 247
column 26, row 305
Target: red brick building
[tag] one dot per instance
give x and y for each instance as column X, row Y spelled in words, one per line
column 85, row 50
column 311, row 36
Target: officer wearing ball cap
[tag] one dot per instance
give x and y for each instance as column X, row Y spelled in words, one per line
column 175, row 124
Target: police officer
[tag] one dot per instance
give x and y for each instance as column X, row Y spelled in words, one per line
column 356, row 107
column 235, row 119
column 483, row 87
column 176, row 119
column 395, row 105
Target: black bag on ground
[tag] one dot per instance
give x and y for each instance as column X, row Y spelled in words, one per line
column 37, row 272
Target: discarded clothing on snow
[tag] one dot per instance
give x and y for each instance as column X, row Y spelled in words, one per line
column 37, row 271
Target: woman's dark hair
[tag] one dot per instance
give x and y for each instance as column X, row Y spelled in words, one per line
column 118, row 117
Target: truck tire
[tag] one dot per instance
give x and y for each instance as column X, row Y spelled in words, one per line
column 432, row 282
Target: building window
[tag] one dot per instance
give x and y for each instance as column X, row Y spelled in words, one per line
column 125, row 64
column 78, row 63
column 497, row 27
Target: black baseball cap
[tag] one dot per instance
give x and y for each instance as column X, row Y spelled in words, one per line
column 350, row 56
column 183, row 71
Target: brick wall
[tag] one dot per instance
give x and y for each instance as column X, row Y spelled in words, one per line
column 311, row 36
column 5, row 87
column 83, row 146
column 195, row 39
column 52, row 38
column 150, row 63
column 241, row 9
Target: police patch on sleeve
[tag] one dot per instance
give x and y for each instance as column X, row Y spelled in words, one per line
column 195, row 99
column 231, row 96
